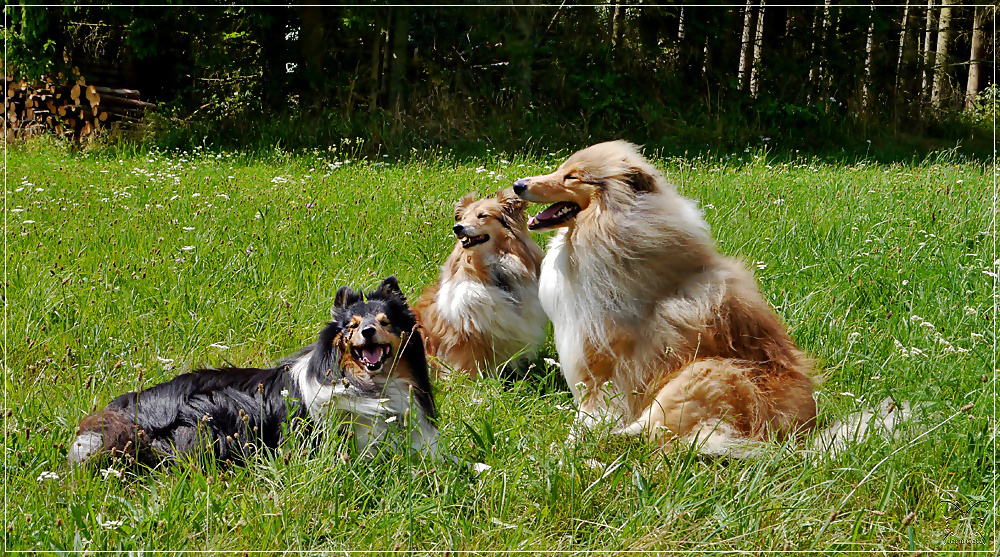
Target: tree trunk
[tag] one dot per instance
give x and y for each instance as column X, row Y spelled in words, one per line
column 938, row 98
column 902, row 49
column 972, row 85
column 617, row 27
column 746, row 45
column 928, row 59
column 867, row 86
column 680, row 26
column 758, row 45
column 400, row 44
column 820, row 25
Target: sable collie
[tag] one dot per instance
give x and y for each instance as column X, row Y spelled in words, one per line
column 484, row 311
column 365, row 368
column 657, row 333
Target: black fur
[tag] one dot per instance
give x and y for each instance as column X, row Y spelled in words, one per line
column 234, row 411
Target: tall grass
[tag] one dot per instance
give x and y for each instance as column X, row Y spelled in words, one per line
column 124, row 269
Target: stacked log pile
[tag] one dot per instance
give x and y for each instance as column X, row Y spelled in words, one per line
column 69, row 106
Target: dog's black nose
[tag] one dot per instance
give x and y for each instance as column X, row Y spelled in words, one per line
column 458, row 228
column 368, row 332
column 520, row 186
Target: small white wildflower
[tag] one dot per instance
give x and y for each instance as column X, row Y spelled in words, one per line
column 46, row 475
column 390, row 419
column 905, row 282
column 284, row 392
column 187, row 248
column 551, row 362
column 479, row 467
column 110, row 523
column 188, row 228
column 223, row 196
column 108, row 472
column 969, row 310
column 28, row 222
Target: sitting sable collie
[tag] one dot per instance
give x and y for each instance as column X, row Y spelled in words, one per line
column 657, row 333
column 483, row 311
column 366, row 367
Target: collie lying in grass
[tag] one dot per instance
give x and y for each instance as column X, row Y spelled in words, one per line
column 657, row 333
column 484, row 311
column 365, row 369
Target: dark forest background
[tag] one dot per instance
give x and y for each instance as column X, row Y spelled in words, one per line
column 834, row 76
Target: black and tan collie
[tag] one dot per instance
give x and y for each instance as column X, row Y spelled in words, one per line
column 364, row 370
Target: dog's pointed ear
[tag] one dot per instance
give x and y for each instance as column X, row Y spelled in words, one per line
column 511, row 203
column 464, row 202
column 390, row 288
column 345, row 297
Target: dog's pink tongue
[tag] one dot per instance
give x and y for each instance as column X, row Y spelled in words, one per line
column 550, row 211
column 371, row 355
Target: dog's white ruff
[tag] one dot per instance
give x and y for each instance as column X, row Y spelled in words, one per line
column 514, row 322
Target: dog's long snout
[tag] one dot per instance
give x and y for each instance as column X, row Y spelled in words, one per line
column 520, row 186
column 368, row 332
column 458, row 228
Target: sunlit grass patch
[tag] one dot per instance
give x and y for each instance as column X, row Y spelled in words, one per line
column 125, row 270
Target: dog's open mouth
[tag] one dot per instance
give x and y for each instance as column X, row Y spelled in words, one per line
column 554, row 215
column 469, row 241
column 371, row 355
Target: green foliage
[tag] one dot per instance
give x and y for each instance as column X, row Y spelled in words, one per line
column 128, row 267
column 983, row 111
column 32, row 40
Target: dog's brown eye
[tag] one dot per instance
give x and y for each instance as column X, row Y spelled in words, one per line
column 383, row 322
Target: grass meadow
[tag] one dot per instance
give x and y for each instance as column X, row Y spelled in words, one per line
column 126, row 268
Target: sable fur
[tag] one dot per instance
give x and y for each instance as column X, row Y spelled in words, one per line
column 233, row 412
column 484, row 309
column 657, row 333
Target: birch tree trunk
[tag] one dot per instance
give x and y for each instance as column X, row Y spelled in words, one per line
column 928, row 60
column 938, row 99
column 867, row 86
column 758, row 44
column 746, row 46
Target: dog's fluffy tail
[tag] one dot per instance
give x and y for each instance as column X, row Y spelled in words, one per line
column 885, row 420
